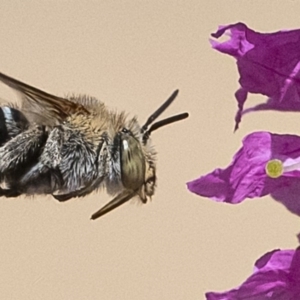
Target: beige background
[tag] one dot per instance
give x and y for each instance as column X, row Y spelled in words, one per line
column 132, row 55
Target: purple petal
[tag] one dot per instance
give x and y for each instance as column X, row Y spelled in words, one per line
column 241, row 179
column 268, row 64
column 276, row 277
column 289, row 195
column 276, row 259
column 230, row 295
column 246, row 177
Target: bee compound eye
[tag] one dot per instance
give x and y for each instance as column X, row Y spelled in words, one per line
column 132, row 163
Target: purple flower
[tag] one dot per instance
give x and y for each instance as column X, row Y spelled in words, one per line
column 266, row 164
column 268, row 64
column 276, row 276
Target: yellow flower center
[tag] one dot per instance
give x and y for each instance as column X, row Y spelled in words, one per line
column 274, row 168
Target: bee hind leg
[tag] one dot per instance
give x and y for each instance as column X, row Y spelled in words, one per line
column 12, row 123
column 10, row 193
column 17, row 156
column 22, row 151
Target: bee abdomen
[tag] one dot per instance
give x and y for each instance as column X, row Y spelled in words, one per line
column 12, row 123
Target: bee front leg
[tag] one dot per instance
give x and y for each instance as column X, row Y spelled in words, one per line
column 79, row 193
column 101, row 165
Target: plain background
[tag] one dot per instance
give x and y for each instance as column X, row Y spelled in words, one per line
column 132, row 55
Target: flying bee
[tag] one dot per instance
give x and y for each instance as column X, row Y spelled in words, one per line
column 70, row 147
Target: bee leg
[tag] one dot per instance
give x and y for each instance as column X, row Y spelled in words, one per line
column 79, row 193
column 10, row 193
column 101, row 164
column 66, row 197
column 22, row 151
column 17, row 155
column 12, row 123
column 48, row 162
column 40, row 172
column 63, row 198
column 64, row 157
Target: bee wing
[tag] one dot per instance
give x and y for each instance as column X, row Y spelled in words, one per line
column 41, row 107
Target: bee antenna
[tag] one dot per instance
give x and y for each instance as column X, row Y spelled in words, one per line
column 167, row 121
column 159, row 111
column 163, row 123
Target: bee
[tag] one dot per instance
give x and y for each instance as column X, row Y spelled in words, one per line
column 69, row 147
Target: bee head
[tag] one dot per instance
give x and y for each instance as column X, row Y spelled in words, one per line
column 137, row 166
column 136, row 161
